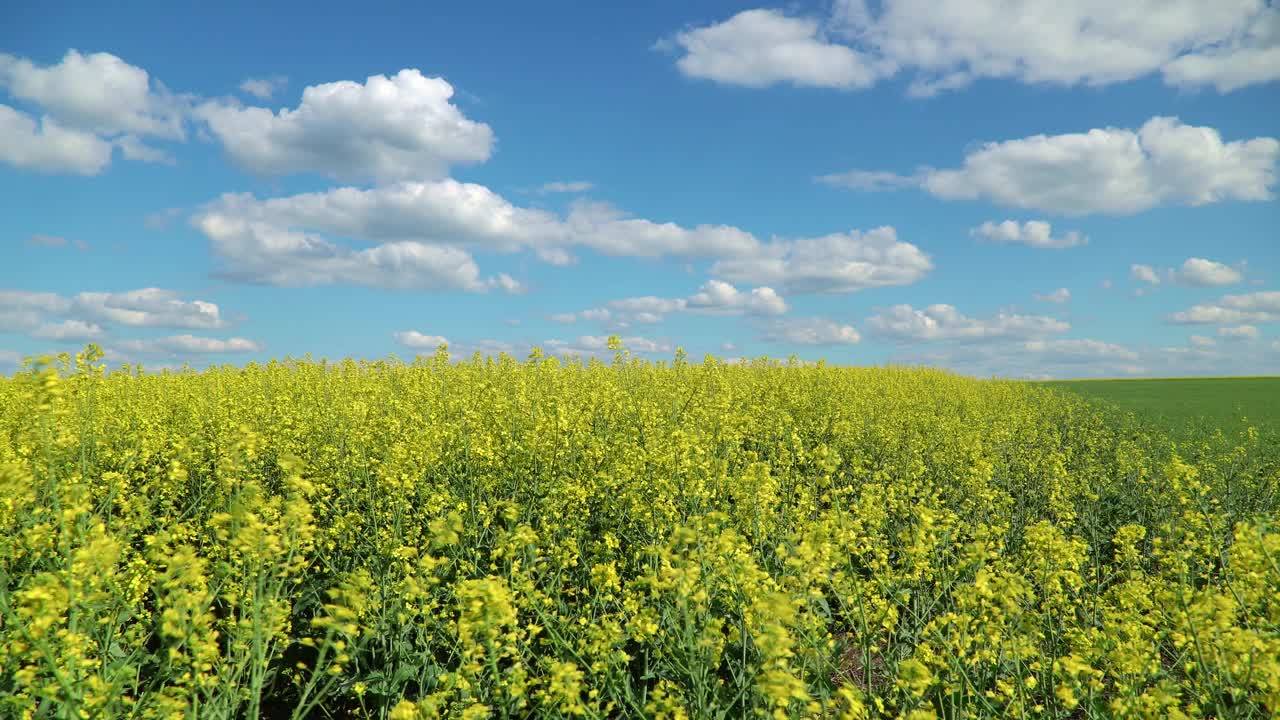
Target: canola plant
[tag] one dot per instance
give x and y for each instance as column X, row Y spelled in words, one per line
column 576, row 538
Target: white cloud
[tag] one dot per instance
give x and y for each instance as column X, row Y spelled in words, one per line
column 1059, row 296
column 148, row 307
column 90, row 104
column 759, row 48
column 68, row 330
column 1033, row 233
column 1249, row 57
column 49, row 147
column 187, row 344
column 717, row 297
column 945, row 322
column 947, row 44
column 401, row 127
column 33, row 312
column 262, row 253
column 264, row 88
column 811, row 331
column 1205, row 273
column 507, row 284
column 1144, row 273
column 35, row 301
column 598, row 345
column 608, row 230
column 134, row 149
column 564, row 186
column 1240, row 332
column 1201, row 341
column 98, row 93
column 419, row 341
column 283, row 240
column 872, row 180
column 836, row 263
column 1082, row 350
column 1112, row 171
column 1258, row 307
column 714, row 297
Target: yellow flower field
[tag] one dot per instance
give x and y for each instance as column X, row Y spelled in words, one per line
column 552, row 538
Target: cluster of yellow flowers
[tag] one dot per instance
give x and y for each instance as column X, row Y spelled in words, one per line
column 566, row 538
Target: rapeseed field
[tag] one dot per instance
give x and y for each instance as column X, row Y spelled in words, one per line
column 549, row 537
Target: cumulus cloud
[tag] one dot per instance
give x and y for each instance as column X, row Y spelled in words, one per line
column 1059, row 296
column 262, row 253
column 90, row 104
column 263, row 88
column 564, row 186
column 148, row 307
column 69, row 330
column 715, row 297
column 759, row 48
column 54, row 316
column 388, row 128
column 1200, row 272
column 945, row 322
column 187, row 344
column 1113, row 171
column 598, row 345
column 836, row 263
column 947, row 44
column 98, row 93
column 611, row 231
column 1239, row 332
column 1144, row 273
column 1033, row 233
column 48, row 146
column 1201, row 341
column 1258, row 307
column 419, row 341
column 872, row 180
column 284, row 240
column 1082, row 350
column 810, row 331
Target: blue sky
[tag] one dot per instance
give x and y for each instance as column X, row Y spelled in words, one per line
column 1028, row 189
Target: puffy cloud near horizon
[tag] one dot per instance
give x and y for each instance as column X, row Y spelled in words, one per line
column 715, row 297
column 188, row 344
column 145, row 307
column 945, row 322
column 810, row 331
column 1257, row 307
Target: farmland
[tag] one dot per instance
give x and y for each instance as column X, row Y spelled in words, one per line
column 1190, row 404
column 559, row 538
